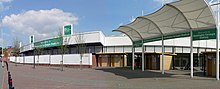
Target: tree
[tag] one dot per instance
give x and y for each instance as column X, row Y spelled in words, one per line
column 81, row 46
column 7, row 53
column 65, row 40
column 39, row 52
column 16, row 49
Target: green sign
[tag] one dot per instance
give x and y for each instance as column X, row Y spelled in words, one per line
column 49, row 43
column 204, row 34
column 137, row 43
column 67, row 30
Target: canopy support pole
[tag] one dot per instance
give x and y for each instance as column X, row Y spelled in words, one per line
column 217, row 54
column 162, row 54
column 133, row 48
column 217, row 44
column 143, row 57
column 191, row 54
column 173, row 57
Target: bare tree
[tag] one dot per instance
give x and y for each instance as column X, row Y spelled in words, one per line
column 39, row 52
column 81, row 46
column 65, row 40
column 7, row 53
column 16, row 49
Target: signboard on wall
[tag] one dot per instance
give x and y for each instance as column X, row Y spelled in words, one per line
column 49, row 43
column 204, row 34
column 68, row 30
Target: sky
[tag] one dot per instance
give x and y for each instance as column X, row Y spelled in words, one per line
column 43, row 18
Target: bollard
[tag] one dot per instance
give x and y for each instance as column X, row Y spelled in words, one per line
column 10, row 81
column 9, row 77
column 10, row 84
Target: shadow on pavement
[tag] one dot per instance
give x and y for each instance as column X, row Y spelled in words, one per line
column 132, row 74
column 197, row 73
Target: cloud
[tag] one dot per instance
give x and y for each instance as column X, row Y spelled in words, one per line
column 2, row 7
column 6, row 0
column 41, row 23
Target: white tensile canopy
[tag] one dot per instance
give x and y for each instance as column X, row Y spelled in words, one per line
column 173, row 18
column 176, row 17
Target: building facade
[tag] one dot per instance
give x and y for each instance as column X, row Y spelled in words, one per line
column 115, row 51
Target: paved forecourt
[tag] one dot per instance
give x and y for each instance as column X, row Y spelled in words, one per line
column 25, row 77
column 3, row 77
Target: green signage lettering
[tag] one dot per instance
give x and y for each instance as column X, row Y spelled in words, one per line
column 49, row 43
column 204, row 34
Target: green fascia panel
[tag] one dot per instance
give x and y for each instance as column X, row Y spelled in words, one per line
column 179, row 35
column 49, row 43
column 152, row 39
column 138, row 43
column 205, row 34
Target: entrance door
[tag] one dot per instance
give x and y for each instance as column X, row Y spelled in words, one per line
column 209, row 68
column 100, row 61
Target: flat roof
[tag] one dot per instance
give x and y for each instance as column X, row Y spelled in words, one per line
column 111, row 53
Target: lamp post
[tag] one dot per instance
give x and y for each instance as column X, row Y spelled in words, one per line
column 31, row 39
column 2, row 43
column 34, row 57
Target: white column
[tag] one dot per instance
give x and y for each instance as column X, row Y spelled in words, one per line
column 217, row 54
column 191, row 54
column 143, row 57
column 198, row 55
column 162, row 55
column 217, row 44
column 133, row 49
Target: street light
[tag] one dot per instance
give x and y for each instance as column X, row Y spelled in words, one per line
column 2, row 42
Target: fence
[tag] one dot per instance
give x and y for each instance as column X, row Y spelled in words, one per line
column 68, row 59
